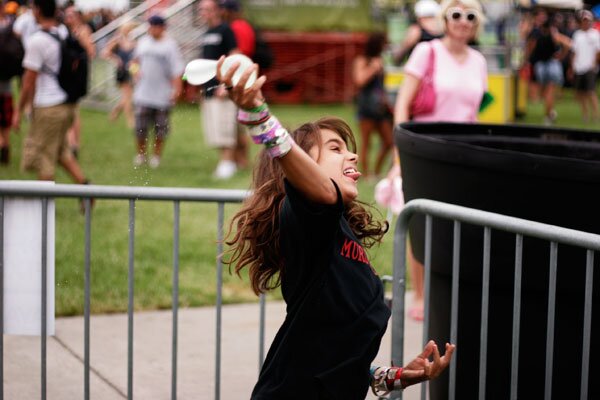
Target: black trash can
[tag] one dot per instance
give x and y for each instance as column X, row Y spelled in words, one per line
column 537, row 173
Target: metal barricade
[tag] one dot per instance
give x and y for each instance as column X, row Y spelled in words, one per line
column 520, row 228
column 132, row 195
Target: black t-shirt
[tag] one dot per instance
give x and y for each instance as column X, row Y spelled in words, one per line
column 335, row 310
column 545, row 47
column 216, row 42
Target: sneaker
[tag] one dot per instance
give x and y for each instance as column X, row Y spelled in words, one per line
column 139, row 160
column 225, row 169
column 550, row 118
column 154, row 161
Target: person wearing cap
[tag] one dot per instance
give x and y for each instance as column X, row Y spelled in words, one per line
column 158, row 66
column 219, row 113
column 585, row 46
column 427, row 27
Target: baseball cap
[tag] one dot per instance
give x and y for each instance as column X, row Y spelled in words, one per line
column 426, row 8
column 231, row 5
column 586, row 14
column 156, row 20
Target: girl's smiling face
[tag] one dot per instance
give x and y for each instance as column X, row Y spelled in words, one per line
column 338, row 162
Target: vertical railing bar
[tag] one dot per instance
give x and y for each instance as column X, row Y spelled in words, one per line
column 485, row 299
column 516, row 330
column 261, row 331
column 454, row 306
column 428, row 223
column 551, row 316
column 44, row 310
column 86, row 299
column 398, row 296
column 130, row 277
column 175, row 301
column 219, row 299
column 2, row 295
column 587, row 323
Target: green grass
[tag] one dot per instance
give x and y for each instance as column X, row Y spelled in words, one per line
column 106, row 157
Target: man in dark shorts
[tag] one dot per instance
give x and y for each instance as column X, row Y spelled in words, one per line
column 585, row 46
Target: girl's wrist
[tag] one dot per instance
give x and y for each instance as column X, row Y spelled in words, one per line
column 268, row 132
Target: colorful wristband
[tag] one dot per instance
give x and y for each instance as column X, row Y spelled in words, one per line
column 265, row 132
column 255, row 116
column 281, row 149
column 260, row 108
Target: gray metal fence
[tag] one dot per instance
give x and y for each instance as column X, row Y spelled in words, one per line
column 133, row 195
column 459, row 215
column 489, row 221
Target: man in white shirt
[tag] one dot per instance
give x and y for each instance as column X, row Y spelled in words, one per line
column 157, row 87
column 46, row 142
column 585, row 46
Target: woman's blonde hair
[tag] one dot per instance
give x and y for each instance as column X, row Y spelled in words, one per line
column 474, row 4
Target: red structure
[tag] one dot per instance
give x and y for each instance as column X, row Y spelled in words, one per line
column 312, row 67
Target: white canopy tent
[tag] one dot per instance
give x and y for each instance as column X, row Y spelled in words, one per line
column 558, row 4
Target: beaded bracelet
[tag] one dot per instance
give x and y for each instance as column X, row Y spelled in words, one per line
column 383, row 382
column 276, row 138
column 254, row 116
column 282, row 148
column 264, row 132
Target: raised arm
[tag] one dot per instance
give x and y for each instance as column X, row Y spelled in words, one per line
column 299, row 168
column 410, row 40
column 363, row 70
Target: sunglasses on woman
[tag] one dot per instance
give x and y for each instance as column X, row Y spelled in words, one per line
column 457, row 14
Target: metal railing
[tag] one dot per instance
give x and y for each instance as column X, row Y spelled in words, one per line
column 520, row 227
column 132, row 195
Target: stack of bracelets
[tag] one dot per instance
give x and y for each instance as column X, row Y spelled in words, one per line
column 383, row 380
column 266, row 129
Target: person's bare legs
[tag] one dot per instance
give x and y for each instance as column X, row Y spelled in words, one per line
column 74, row 134
column 416, row 279
column 385, row 129
column 127, row 103
column 72, row 167
column 366, row 126
column 5, row 145
column 158, row 146
column 227, row 154
column 534, row 91
column 593, row 105
column 582, row 100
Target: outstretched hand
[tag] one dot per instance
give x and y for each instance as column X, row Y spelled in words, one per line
column 248, row 98
column 422, row 369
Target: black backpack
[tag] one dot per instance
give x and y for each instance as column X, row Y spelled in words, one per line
column 263, row 55
column 73, row 73
column 11, row 54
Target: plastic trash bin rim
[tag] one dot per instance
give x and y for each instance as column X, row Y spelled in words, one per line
column 510, row 161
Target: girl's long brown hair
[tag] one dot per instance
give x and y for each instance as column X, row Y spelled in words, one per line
column 255, row 242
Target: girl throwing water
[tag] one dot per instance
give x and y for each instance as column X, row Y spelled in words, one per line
column 304, row 229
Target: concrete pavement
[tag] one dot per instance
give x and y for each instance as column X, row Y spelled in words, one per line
column 152, row 355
